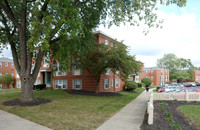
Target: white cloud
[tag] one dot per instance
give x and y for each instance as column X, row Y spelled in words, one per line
column 179, row 35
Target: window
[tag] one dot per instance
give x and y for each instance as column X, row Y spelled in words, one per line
column 151, row 77
column 11, row 65
column 106, row 42
column 111, row 80
column 59, row 73
column 111, row 44
column 18, row 84
column 17, row 75
column 161, row 83
column 0, row 86
column 12, row 85
column 0, row 74
column 60, row 84
column 166, row 78
column 76, row 70
column 117, row 83
column 117, row 72
column 46, row 60
column 107, row 72
column 0, row 64
column 77, row 84
column 146, row 72
column 37, row 82
column 6, row 64
column 12, row 74
column 166, row 71
column 161, row 71
column 160, row 78
column 106, row 84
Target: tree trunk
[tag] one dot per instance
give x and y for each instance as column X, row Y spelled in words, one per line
column 97, row 88
column 27, row 90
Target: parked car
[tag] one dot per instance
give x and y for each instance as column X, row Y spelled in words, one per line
column 161, row 89
column 187, row 84
column 189, row 90
column 172, row 88
column 198, row 84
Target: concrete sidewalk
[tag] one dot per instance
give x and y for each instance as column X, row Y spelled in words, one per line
column 130, row 117
column 12, row 122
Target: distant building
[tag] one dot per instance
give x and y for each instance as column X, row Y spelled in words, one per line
column 197, row 75
column 159, row 76
column 6, row 67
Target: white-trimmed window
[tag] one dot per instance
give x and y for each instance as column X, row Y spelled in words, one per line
column 160, row 78
column 18, row 84
column 111, row 44
column 146, row 72
column 37, row 82
column 6, row 64
column 152, row 71
column 107, row 71
column 11, row 65
column 0, row 86
column 76, row 70
column 77, row 84
column 166, row 78
column 0, row 74
column 60, row 84
column 59, row 73
column 46, row 60
column 117, row 72
column 12, row 85
column 117, row 83
column 17, row 75
column 12, row 74
column 106, row 84
column 151, row 77
column 111, row 82
column 106, row 42
column 0, row 64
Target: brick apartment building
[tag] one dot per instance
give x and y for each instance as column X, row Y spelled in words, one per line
column 6, row 67
column 197, row 75
column 158, row 75
column 77, row 78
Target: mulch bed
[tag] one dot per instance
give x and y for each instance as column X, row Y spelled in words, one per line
column 159, row 117
column 91, row 93
column 18, row 102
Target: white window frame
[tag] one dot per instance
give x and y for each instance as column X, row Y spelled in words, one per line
column 107, row 71
column 152, row 71
column 76, row 70
column 18, row 84
column 106, row 42
column 59, row 73
column 106, row 84
column 75, row 83
column 60, row 84
column 151, row 77
column 6, row 64
column 117, row 83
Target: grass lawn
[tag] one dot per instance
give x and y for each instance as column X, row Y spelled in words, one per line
column 9, row 90
column 139, row 90
column 69, row 111
column 192, row 112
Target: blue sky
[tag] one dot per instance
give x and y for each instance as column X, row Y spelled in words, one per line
column 180, row 35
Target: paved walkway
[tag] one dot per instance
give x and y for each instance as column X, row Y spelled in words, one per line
column 130, row 117
column 12, row 122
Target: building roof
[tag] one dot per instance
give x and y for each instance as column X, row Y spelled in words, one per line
column 106, row 35
column 154, row 68
column 4, row 59
column 196, row 70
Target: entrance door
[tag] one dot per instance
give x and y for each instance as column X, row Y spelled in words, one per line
column 47, row 78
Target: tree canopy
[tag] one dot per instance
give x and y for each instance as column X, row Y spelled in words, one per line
column 103, row 58
column 63, row 27
column 179, row 68
column 6, row 79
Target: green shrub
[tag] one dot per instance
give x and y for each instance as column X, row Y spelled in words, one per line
column 176, row 126
column 147, row 81
column 168, row 114
column 39, row 86
column 168, row 82
column 130, row 85
column 165, row 110
column 169, row 119
column 139, row 85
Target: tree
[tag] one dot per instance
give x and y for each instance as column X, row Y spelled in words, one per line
column 179, row 68
column 103, row 58
column 147, row 81
column 62, row 27
column 6, row 79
